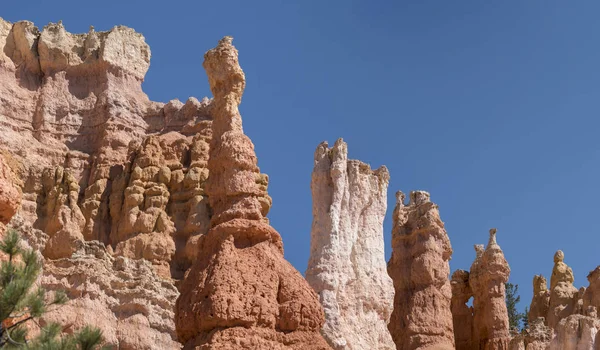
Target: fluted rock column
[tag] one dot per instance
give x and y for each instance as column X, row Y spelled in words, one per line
column 488, row 276
column 240, row 292
column 462, row 315
column 347, row 266
column 541, row 299
column 419, row 268
column 563, row 294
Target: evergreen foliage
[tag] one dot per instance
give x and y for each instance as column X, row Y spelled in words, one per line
column 20, row 303
column 512, row 299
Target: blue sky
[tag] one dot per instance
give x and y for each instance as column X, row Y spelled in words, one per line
column 491, row 106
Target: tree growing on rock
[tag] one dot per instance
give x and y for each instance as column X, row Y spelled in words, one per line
column 22, row 304
column 512, row 299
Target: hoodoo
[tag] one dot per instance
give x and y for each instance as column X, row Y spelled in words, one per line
column 240, row 292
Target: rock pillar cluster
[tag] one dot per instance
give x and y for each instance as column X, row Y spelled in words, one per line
column 419, row 267
column 564, row 317
column 347, row 266
column 485, row 324
column 241, row 292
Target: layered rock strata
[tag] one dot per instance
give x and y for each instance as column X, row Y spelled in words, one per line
column 347, row 266
column 487, row 279
column 125, row 298
column 462, row 314
column 112, row 183
column 419, row 267
column 240, row 292
column 98, row 160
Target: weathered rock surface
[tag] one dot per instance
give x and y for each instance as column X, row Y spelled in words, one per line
column 419, row 267
column 123, row 297
column 576, row 332
column 488, row 275
column 462, row 315
column 10, row 193
column 591, row 297
column 347, row 266
column 100, row 165
column 240, row 292
column 98, row 160
column 540, row 303
column 563, row 294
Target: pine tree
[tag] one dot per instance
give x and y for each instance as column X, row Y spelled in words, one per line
column 524, row 319
column 512, row 299
column 19, row 304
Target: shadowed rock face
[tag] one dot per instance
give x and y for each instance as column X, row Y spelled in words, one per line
column 241, row 292
column 347, row 265
column 487, row 279
column 462, row 315
column 419, row 267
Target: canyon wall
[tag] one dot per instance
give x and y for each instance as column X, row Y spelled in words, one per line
column 347, row 266
column 100, row 177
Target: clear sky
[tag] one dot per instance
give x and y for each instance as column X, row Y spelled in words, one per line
column 491, row 106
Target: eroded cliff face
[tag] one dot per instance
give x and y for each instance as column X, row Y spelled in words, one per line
column 240, row 292
column 419, row 267
column 108, row 185
column 347, row 266
column 98, row 160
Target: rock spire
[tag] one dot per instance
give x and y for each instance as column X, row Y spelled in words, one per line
column 419, row 267
column 347, row 266
column 241, row 292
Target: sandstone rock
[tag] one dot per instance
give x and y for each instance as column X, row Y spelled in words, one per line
column 240, row 292
column 576, row 332
column 419, row 268
column 538, row 335
column 488, row 274
column 462, row 315
column 347, row 265
column 96, row 160
column 75, row 118
column 540, row 302
column 591, row 297
column 10, row 193
column 563, row 295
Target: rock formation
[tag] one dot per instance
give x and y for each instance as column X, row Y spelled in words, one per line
column 540, row 303
column 123, row 297
column 240, row 292
column 419, row 268
column 576, row 332
column 563, row 295
column 347, row 265
column 98, row 160
column 10, row 193
column 488, row 274
column 97, row 164
column 591, row 297
column 462, row 315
